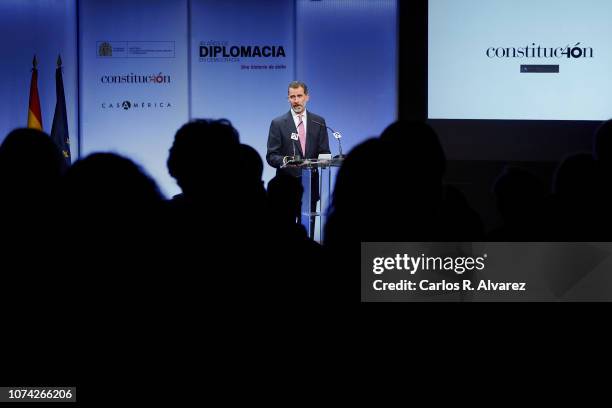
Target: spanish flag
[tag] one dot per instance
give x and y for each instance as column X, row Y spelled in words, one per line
column 34, row 116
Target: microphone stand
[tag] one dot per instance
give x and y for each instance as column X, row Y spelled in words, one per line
column 295, row 158
column 337, row 136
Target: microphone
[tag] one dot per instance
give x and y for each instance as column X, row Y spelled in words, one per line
column 294, row 137
column 337, row 136
column 294, row 158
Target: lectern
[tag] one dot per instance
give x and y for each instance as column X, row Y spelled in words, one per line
column 317, row 175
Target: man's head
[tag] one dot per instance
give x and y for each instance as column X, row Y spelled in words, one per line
column 298, row 96
column 198, row 147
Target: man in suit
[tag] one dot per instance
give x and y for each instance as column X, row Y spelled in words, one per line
column 298, row 133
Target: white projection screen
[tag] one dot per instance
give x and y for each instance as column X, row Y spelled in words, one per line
column 520, row 60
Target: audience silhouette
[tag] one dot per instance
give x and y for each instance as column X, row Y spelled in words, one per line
column 38, row 296
column 30, row 171
column 577, row 199
column 143, row 264
column 389, row 188
column 520, row 197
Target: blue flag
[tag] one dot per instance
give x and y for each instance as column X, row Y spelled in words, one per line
column 59, row 130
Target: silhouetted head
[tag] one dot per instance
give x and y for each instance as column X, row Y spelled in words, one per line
column 357, row 176
column 415, row 145
column 390, row 187
column 109, row 182
column 30, row 163
column 200, row 149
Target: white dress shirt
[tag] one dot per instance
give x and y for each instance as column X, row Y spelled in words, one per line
column 296, row 120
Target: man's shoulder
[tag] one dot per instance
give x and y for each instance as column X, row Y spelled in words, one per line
column 314, row 116
column 282, row 117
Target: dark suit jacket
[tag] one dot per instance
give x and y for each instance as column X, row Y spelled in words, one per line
column 280, row 143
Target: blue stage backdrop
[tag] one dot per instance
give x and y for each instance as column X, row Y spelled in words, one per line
column 45, row 28
column 248, row 90
column 347, row 54
column 134, row 83
column 145, row 67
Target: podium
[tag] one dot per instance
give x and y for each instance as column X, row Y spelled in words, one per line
column 317, row 175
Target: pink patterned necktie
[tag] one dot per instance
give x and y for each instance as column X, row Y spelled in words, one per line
column 302, row 134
